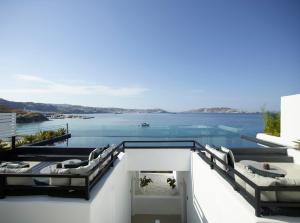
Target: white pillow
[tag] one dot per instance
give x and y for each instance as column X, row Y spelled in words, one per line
column 288, row 196
column 18, row 180
column 84, row 170
column 218, row 154
column 241, row 169
column 95, row 151
column 230, row 154
column 59, row 181
column 262, row 181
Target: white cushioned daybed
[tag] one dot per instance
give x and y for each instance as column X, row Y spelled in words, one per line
column 95, row 158
column 291, row 178
column 18, row 168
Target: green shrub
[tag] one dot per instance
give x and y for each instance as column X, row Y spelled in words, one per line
column 22, row 142
column 272, row 123
column 171, row 182
column 61, row 132
column 145, row 181
column 29, row 138
column 40, row 136
column 3, row 145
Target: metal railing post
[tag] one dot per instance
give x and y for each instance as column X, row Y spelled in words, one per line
column 67, row 128
column 13, row 142
column 211, row 162
column 112, row 159
column 2, row 185
column 257, row 203
column 87, row 188
column 194, row 146
column 123, row 147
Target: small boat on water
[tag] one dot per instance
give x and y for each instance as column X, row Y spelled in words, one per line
column 145, row 124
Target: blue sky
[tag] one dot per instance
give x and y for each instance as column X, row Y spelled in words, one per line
column 175, row 55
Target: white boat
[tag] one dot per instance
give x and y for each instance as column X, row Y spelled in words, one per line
column 145, row 124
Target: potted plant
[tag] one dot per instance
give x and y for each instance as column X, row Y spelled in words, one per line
column 145, row 181
column 172, row 183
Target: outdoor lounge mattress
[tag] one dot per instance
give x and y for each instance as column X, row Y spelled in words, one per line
column 292, row 178
column 21, row 180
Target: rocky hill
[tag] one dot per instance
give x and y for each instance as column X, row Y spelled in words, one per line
column 24, row 117
column 215, row 110
column 71, row 109
column 78, row 109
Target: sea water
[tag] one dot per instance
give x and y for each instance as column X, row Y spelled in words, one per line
column 212, row 128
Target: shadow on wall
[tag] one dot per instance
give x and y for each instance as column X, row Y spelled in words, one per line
column 197, row 214
column 200, row 214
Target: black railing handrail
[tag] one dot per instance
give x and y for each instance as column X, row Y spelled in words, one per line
column 56, row 154
column 194, row 144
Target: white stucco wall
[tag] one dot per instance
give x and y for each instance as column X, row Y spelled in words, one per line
column 160, row 205
column 277, row 140
column 295, row 154
column 290, row 117
column 43, row 209
column 112, row 198
column 158, row 159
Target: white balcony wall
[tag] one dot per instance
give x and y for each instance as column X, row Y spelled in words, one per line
column 158, row 159
column 158, row 205
column 112, row 198
column 32, row 209
column 289, row 123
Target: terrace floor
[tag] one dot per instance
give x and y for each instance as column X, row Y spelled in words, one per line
column 147, row 218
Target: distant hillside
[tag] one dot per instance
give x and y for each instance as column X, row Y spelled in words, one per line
column 78, row 109
column 71, row 109
column 215, row 110
column 22, row 116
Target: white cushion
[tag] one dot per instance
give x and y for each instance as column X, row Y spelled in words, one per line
column 230, row 154
column 288, row 196
column 107, row 151
column 18, row 180
column 263, row 181
column 59, row 181
column 218, row 154
column 241, row 169
column 95, row 151
column 82, row 170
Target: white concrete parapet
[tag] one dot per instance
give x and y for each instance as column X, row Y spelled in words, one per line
column 290, row 117
column 289, row 122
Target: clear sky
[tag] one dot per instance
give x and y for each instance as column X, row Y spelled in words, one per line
column 176, row 55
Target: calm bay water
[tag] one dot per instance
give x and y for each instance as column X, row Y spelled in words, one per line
column 218, row 129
